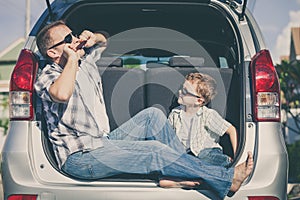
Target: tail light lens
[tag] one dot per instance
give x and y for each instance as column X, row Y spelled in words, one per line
column 21, row 86
column 266, row 89
column 22, row 197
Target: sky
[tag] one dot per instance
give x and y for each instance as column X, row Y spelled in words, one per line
column 275, row 18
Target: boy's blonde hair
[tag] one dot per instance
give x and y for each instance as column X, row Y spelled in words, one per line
column 206, row 85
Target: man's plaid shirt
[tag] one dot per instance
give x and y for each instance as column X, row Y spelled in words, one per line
column 72, row 126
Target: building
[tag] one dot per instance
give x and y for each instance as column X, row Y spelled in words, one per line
column 8, row 59
column 295, row 45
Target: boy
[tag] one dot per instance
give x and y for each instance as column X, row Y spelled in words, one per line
column 198, row 127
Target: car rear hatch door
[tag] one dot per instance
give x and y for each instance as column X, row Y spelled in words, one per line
column 238, row 6
column 57, row 8
column 52, row 15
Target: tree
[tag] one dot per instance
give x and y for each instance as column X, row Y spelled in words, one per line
column 4, row 121
column 289, row 77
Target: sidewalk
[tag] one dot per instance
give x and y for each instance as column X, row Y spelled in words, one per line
column 1, row 189
column 293, row 191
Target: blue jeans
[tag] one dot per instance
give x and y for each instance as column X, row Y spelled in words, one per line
column 146, row 144
column 214, row 156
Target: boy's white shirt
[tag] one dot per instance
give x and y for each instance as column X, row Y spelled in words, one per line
column 186, row 129
column 206, row 131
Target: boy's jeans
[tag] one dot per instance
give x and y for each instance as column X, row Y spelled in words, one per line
column 145, row 144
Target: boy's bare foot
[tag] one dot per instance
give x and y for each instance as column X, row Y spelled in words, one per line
column 241, row 172
column 166, row 183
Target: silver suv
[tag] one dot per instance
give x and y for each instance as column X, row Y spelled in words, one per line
column 152, row 46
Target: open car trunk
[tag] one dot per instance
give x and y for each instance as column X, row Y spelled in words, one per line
column 151, row 48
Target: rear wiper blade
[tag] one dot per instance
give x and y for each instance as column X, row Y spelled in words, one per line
column 50, row 10
column 234, row 5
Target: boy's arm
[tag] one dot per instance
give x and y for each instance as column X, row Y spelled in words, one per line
column 231, row 131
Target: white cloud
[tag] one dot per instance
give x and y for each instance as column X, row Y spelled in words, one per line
column 269, row 28
column 284, row 39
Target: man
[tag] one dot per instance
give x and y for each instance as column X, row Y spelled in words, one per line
column 78, row 127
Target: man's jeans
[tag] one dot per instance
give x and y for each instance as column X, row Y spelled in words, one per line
column 146, row 144
column 214, row 156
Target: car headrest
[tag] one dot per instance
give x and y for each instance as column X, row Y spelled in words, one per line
column 152, row 52
column 110, row 62
column 182, row 61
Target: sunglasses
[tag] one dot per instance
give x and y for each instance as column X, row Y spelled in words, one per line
column 185, row 92
column 68, row 39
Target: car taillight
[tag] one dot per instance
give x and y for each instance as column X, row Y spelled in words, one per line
column 21, row 86
column 265, row 88
column 22, row 197
column 263, row 198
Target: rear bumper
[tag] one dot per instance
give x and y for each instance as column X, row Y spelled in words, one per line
column 26, row 170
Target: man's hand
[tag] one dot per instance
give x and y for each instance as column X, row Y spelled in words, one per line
column 91, row 38
column 70, row 53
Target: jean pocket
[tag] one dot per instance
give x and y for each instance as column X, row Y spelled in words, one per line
column 75, row 167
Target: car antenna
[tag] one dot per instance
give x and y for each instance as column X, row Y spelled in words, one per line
column 50, row 10
column 234, row 6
